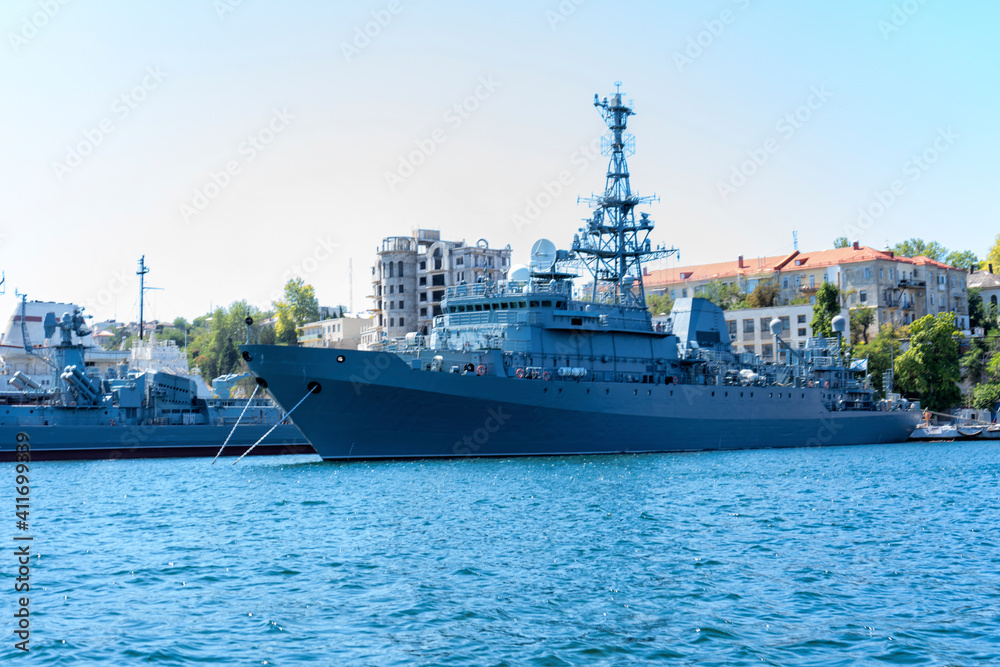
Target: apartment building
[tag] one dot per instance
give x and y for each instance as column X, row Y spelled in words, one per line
column 342, row 333
column 411, row 274
column 750, row 329
column 899, row 289
column 988, row 285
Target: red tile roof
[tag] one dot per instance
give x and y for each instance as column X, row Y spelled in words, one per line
column 767, row 265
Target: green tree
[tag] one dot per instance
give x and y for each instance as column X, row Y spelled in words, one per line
column 986, row 395
column 962, row 259
column 285, row 329
column 993, row 368
column 297, row 306
column 930, row 368
column 827, row 307
column 862, row 318
column 993, row 256
column 764, row 294
column 725, row 296
column 973, row 362
column 841, row 242
column 214, row 345
column 880, row 352
column 268, row 335
column 170, row 333
column 659, row 303
column 977, row 312
column 919, row 247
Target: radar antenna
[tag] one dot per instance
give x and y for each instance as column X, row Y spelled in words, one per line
column 143, row 270
column 613, row 244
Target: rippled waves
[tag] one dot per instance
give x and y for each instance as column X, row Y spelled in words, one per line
column 884, row 554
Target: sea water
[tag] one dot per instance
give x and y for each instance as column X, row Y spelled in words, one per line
column 840, row 555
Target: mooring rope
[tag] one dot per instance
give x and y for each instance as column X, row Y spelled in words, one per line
column 287, row 415
column 236, row 424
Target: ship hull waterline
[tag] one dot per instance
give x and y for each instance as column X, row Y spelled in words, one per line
column 372, row 405
column 57, row 443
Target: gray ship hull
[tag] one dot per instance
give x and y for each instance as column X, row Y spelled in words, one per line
column 131, row 442
column 373, row 405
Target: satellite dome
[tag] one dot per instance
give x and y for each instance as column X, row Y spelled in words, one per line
column 519, row 273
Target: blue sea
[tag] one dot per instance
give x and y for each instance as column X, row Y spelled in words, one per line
column 829, row 556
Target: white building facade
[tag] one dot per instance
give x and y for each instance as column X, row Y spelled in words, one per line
column 343, row 333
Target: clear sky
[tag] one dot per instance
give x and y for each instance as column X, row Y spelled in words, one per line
column 237, row 143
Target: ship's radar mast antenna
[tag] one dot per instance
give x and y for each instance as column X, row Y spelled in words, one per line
column 143, row 270
column 613, row 244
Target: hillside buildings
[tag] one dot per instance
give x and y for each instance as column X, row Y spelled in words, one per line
column 899, row 289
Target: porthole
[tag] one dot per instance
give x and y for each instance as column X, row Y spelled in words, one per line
column 341, row 358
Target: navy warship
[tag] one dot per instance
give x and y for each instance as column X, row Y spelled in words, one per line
column 523, row 367
column 75, row 413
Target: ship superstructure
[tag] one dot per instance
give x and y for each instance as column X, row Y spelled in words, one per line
column 154, row 407
column 521, row 367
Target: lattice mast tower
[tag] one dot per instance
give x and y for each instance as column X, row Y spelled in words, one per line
column 613, row 244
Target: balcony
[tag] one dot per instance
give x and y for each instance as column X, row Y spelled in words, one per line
column 911, row 283
column 398, row 244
